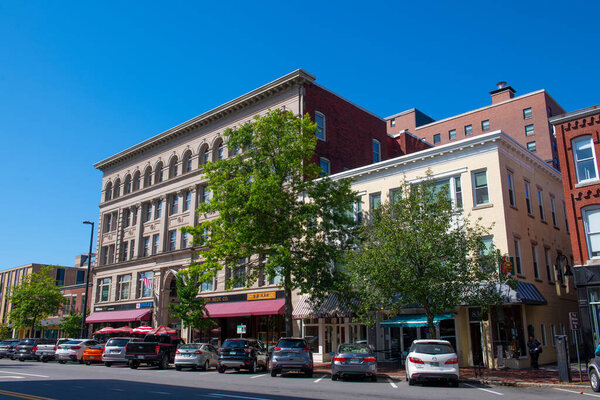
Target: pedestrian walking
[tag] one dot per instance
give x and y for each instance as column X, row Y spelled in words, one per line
column 535, row 348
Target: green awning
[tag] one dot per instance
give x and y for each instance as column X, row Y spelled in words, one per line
column 413, row 320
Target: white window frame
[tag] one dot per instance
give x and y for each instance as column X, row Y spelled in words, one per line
column 587, row 138
column 321, row 131
column 487, row 188
column 584, row 213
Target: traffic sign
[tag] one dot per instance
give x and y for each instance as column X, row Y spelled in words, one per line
column 574, row 319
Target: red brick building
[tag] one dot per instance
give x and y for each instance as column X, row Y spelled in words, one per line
column 525, row 118
column 578, row 143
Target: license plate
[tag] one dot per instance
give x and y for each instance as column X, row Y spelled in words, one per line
column 434, row 364
column 232, row 353
column 354, row 361
column 91, row 357
column 142, row 357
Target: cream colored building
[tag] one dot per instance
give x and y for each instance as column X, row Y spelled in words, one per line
column 488, row 176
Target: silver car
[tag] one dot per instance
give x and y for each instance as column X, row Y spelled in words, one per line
column 72, row 350
column 195, row 355
column 354, row 359
column 291, row 354
column 114, row 350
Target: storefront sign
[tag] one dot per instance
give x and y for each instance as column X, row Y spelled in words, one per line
column 261, row 296
column 241, row 329
column 507, row 265
column 146, row 304
column 574, row 319
column 123, row 307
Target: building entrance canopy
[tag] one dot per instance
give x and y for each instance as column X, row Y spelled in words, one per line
column 119, row 316
column 245, row 308
column 413, row 320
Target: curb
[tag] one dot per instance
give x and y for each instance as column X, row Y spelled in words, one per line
column 527, row 384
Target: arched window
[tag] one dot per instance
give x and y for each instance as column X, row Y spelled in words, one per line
column 108, row 192
column 204, row 155
column 173, row 168
column 158, row 174
column 136, row 181
column 219, row 151
column 148, row 177
column 117, row 189
column 127, row 184
column 187, row 162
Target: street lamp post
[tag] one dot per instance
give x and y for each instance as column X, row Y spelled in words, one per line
column 87, row 282
column 558, row 265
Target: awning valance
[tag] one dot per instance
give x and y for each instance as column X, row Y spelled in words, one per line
column 119, row 316
column 330, row 308
column 525, row 293
column 244, row 308
column 413, row 320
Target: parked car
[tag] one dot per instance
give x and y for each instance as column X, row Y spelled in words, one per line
column 93, row 354
column 242, row 353
column 432, row 360
column 27, row 348
column 7, row 348
column 593, row 371
column 354, row 359
column 196, row 355
column 155, row 350
column 72, row 350
column 114, row 351
column 291, row 354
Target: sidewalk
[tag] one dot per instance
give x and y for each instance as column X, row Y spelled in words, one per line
column 546, row 375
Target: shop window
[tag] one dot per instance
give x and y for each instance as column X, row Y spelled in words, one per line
column 507, row 323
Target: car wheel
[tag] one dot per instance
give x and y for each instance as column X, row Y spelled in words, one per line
column 253, row 367
column 273, row 372
column 107, row 364
column 411, row 382
column 88, row 363
column 334, row 377
column 44, row 359
column 454, row 383
column 205, row 367
column 309, row 373
column 221, row 370
column 133, row 364
column 164, row 362
column 178, row 368
column 61, row 361
column 594, row 380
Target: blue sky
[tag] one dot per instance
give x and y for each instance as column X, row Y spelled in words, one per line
column 81, row 81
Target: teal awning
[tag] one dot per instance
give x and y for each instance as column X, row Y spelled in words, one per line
column 413, row 320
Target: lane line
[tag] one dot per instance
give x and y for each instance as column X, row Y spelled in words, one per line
column 392, row 383
column 320, row 379
column 235, row 397
column 151, row 391
column 23, row 373
column 485, row 390
column 257, row 376
column 11, row 376
column 570, row 391
column 23, row 395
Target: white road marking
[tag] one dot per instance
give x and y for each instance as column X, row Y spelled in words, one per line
column 235, row 397
column 22, row 373
column 570, row 391
column 257, row 376
column 485, row 390
column 118, row 390
column 392, row 383
column 151, row 391
column 320, row 379
column 12, row 376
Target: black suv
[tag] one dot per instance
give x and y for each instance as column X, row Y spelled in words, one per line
column 7, row 348
column 249, row 354
column 26, row 348
column 291, row 354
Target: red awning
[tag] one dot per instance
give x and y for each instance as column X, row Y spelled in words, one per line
column 245, row 308
column 119, row 316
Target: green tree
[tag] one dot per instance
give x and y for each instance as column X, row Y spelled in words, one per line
column 275, row 219
column 191, row 308
column 71, row 325
column 5, row 331
column 422, row 249
column 35, row 298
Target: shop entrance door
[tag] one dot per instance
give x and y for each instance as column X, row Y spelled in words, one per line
column 476, row 337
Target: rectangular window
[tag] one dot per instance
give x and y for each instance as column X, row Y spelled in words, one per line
column 376, row 151
column 518, row 265
column 553, row 212
column 145, row 284
column 320, row 121
column 553, row 332
column 174, row 204
column 107, row 222
column 548, row 258
column 480, row 187
column 543, row 332
column 540, row 196
column 172, row 240
column 146, row 251
column 511, row 188
column 528, row 199
column 468, row 130
column 374, row 201
column 185, row 240
column 132, row 249
column 80, row 277
column 393, row 122
column 60, row 277
column 485, row 125
column 124, row 251
column 529, row 131
column 158, row 210
column 437, row 138
column 204, row 194
column 536, row 270
column 103, row 289
column 127, row 217
column 148, row 212
column 452, row 134
column 207, row 285
column 591, row 224
column 585, row 159
column 358, row 214
column 111, row 253
column 123, row 287
column 188, row 200
column 155, row 240
column 532, row 147
column 453, row 186
column 134, row 216
column 239, row 274
column 325, row 167
column 527, row 113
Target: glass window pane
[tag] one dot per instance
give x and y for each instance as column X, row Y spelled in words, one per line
column 480, row 179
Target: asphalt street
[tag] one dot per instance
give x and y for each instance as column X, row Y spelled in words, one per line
column 42, row 381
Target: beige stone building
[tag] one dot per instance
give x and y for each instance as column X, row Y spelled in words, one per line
column 492, row 177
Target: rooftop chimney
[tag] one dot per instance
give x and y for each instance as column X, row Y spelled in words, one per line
column 502, row 93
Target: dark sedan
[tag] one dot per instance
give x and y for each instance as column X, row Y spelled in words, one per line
column 354, row 359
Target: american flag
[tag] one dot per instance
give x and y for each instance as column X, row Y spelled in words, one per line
column 148, row 283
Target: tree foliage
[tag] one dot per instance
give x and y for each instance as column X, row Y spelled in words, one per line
column 421, row 249
column 190, row 308
column 71, row 325
column 264, row 221
column 35, row 298
column 5, row 331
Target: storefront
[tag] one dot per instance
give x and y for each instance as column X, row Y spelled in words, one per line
column 587, row 281
column 132, row 315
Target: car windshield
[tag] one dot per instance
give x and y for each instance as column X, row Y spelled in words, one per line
column 291, row 344
column 117, row 342
column 190, row 346
column 433, row 348
column 354, row 348
column 26, row 342
column 239, row 344
column 72, row 342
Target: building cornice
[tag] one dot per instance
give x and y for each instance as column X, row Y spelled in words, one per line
column 585, row 112
column 294, row 78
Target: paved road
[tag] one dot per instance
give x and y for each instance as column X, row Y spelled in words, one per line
column 39, row 381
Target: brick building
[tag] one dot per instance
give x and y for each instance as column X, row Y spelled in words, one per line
column 578, row 142
column 524, row 117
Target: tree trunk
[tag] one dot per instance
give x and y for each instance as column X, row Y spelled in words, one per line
column 33, row 327
column 289, row 328
column 430, row 316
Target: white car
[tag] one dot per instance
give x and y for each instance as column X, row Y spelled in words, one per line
column 72, row 350
column 432, row 360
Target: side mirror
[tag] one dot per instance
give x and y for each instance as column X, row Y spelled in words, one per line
column 597, row 352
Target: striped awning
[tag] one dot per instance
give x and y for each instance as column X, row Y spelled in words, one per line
column 527, row 293
column 330, row 308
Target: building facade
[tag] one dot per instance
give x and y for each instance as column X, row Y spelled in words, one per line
column 518, row 195
column 525, row 118
column 151, row 190
column 578, row 138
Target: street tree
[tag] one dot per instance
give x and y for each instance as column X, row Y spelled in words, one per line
column 71, row 325
column 420, row 249
column 191, row 308
column 274, row 218
column 35, row 298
